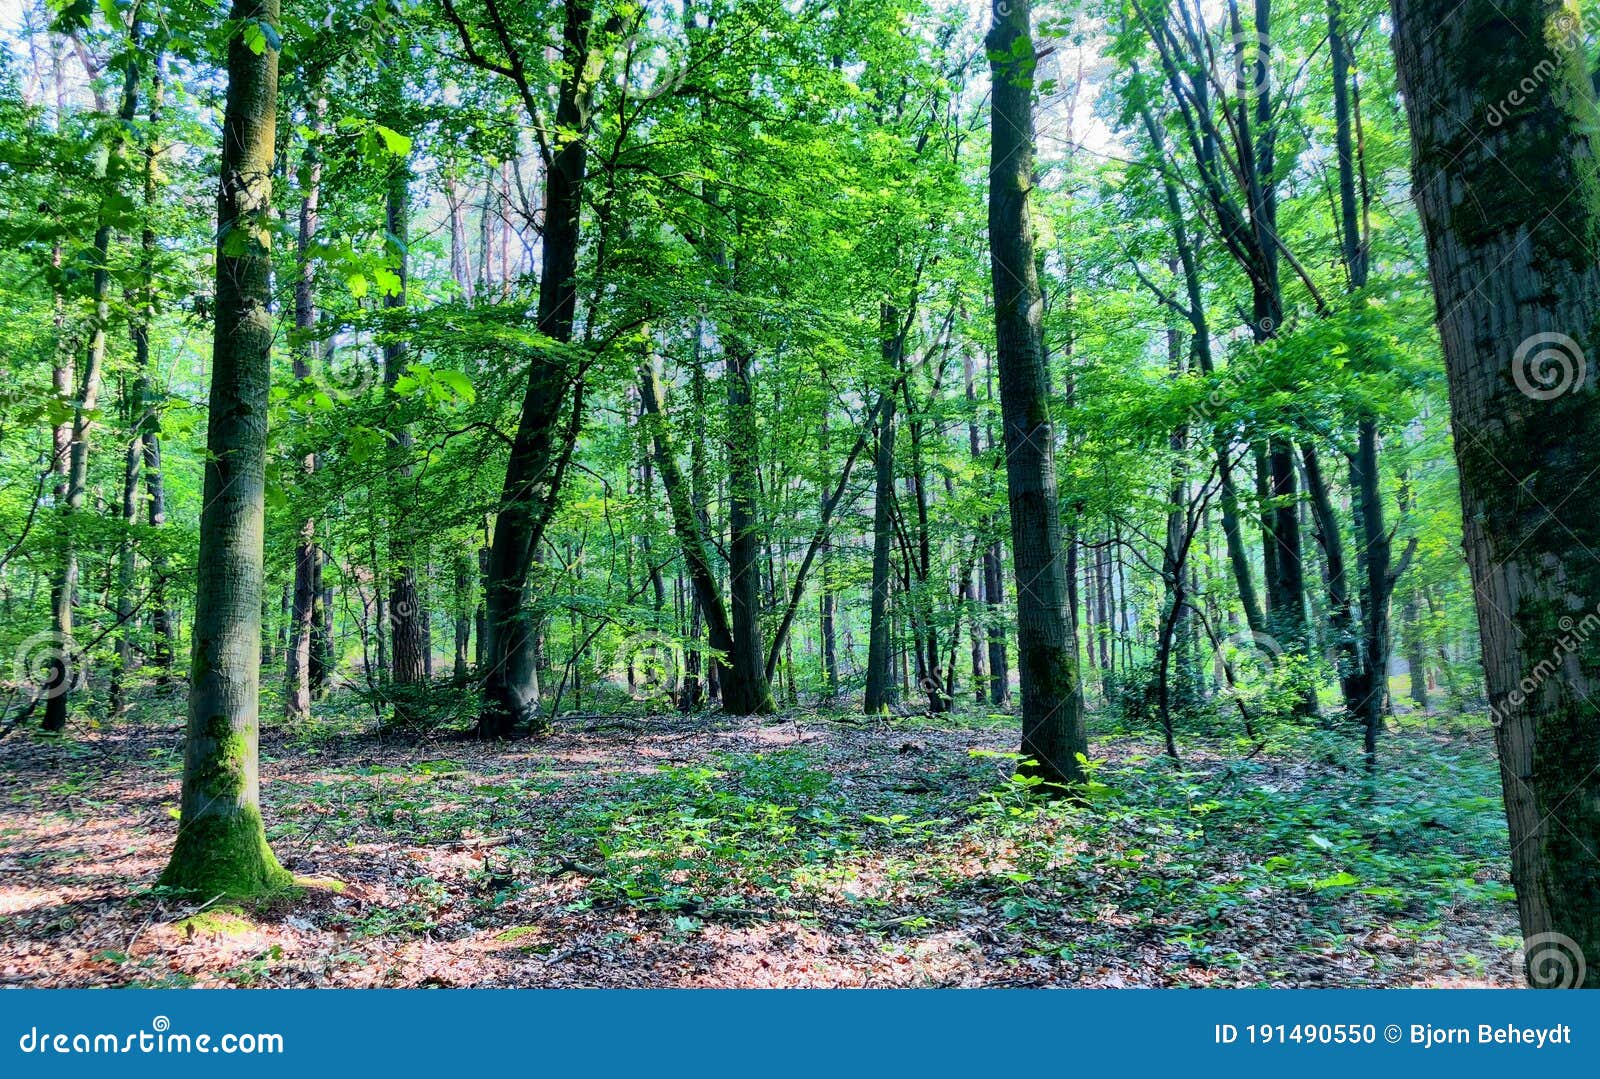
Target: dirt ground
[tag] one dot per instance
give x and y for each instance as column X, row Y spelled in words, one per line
column 440, row 862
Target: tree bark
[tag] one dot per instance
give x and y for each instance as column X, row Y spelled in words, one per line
column 408, row 646
column 511, row 682
column 1511, row 215
column 221, row 846
column 746, row 688
column 307, row 556
column 880, row 692
column 1053, row 732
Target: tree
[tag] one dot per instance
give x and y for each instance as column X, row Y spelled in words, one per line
column 221, row 847
column 1053, row 732
column 1505, row 183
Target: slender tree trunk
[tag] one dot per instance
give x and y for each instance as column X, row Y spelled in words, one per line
column 463, row 617
column 125, row 557
column 829, row 598
column 973, row 586
column 407, row 648
column 686, row 522
column 1513, row 234
column 745, row 686
column 880, row 694
column 221, row 847
column 1053, row 732
column 58, row 699
column 307, row 557
column 1416, row 652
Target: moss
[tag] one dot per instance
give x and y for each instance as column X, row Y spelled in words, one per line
column 517, row 933
column 225, row 855
column 226, row 921
column 329, row 884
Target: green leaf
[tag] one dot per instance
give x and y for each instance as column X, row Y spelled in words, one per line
column 397, row 144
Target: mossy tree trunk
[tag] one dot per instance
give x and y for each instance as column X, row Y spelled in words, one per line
column 221, row 847
column 1509, row 197
column 1053, row 732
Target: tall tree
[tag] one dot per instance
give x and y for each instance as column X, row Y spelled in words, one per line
column 222, row 847
column 511, row 679
column 1053, row 731
column 1505, row 183
column 307, row 554
column 410, row 647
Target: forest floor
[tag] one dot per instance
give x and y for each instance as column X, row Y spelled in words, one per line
column 797, row 850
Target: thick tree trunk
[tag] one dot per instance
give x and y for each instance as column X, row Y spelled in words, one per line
column 511, row 680
column 1053, row 732
column 221, row 847
column 1512, row 219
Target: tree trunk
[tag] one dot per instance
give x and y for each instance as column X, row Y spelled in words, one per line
column 407, row 647
column 307, row 558
column 686, row 522
column 829, row 598
column 221, row 847
column 1053, row 732
column 746, row 689
column 65, row 658
column 880, row 693
column 511, row 680
column 1512, row 221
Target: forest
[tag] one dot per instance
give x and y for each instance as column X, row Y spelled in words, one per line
column 738, row 493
